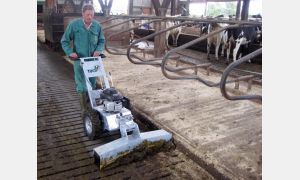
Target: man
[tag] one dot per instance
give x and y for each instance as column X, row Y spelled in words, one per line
column 88, row 40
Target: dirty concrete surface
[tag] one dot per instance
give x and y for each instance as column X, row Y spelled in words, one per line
column 224, row 135
column 65, row 152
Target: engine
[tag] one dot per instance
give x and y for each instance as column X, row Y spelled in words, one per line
column 112, row 100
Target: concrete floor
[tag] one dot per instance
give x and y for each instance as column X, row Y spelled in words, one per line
column 223, row 135
column 63, row 149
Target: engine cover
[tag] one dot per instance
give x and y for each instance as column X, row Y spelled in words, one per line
column 111, row 94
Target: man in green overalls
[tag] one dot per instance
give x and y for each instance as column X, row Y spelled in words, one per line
column 88, row 40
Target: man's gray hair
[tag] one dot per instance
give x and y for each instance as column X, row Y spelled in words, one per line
column 87, row 7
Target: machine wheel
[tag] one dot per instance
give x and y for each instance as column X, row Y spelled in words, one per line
column 92, row 123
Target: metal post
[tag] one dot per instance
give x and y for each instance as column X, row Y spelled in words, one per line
column 174, row 6
column 130, row 11
column 238, row 10
column 245, row 10
column 188, row 7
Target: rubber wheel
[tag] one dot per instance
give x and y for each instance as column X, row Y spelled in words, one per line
column 92, row 123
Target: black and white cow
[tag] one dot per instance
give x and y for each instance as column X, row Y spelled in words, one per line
column 218, row 39
column 173, row 32
column 241, row 39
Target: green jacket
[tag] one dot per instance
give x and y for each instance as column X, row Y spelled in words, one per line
column 85, row 41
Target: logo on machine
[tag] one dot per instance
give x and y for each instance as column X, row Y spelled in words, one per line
column 95, row 69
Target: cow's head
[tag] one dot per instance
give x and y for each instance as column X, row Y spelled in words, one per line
column 241, row 40
column 204, row 28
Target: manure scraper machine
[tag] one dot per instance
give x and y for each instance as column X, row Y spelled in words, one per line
column 108, row 112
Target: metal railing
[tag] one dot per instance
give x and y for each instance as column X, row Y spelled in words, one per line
column 208, row 83
column 123, row 31
column 203, row 20
column 227, row 72
column 108, row 20
column 118, row 24
column 150, row 61
column 166, row 58
column 163, row 61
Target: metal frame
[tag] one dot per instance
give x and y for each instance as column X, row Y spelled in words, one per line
column 167, row 57
column 114, row 25
column 107, row 20
column 195, row 77
column 150, row 61
column 126, row 30
column 204, row 20
column 226, row 74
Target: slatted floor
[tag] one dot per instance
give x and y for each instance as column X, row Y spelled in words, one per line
column 64, row 152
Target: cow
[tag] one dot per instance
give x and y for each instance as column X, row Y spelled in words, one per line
column 173, row 32
column 242, row 38
column 217, row 39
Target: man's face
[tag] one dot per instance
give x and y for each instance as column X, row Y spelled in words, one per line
column 88, row 16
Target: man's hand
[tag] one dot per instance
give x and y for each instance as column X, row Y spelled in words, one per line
column 73, row 56
column 96, row 54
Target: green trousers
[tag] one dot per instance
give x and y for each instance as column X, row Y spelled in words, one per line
column 79, row 78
